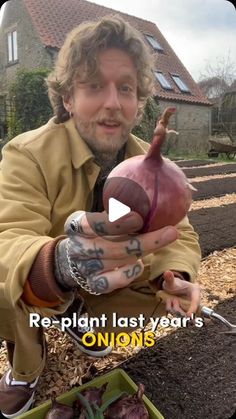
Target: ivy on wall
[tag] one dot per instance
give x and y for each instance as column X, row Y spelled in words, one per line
column 29, row 102
column 148, row 122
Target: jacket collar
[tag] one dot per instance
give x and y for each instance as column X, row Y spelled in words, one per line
column 81, row 153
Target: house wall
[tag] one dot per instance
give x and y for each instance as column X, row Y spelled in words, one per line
column 192, row 121
column 193, row 124
column 31, row 52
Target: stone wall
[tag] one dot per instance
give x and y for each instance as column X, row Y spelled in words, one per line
column 31, row 52
column 193, row 124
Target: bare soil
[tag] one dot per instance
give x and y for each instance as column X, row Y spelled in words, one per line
column 194, row 163
column 190, row 374
column 214, row 187
column 216, row 227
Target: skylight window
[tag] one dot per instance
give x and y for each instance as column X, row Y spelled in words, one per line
column 162, row 80
column 154, row 43
column 181, row 85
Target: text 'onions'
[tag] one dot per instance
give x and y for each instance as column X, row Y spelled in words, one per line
column 151, row 185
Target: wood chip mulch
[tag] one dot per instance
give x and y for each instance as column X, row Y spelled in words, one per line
column 204, row 178
column 188, row 164
column 214, row 202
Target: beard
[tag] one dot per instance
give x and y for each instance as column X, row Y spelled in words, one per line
column 105, row 146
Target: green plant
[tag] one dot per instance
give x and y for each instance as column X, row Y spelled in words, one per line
column 29, row 102
column 148, row 122
column 93, row 411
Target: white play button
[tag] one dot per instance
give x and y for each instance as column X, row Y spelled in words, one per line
column 116, row 209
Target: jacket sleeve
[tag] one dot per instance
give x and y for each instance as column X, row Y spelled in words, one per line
column 24, row 223
column 183, row 255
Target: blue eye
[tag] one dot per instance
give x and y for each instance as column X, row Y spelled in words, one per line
column 126, row 88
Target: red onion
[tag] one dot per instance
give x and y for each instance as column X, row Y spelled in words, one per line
column 59, row 410
column 93, row 397
column 128, row 407
column 151, row 185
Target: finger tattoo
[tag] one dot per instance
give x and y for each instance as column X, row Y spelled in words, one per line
column 133, row 272
column 100, row 229
column 99, row 285
column 134, row 248
column 89, row 267
column 79, row 249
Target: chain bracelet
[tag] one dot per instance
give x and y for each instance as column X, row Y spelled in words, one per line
column 75, row 273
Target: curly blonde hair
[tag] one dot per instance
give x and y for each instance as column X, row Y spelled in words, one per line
column 79, row 55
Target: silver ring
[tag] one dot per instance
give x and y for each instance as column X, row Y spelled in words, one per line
column 75, row 224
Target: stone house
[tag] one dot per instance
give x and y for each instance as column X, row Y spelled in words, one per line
column 32, row 32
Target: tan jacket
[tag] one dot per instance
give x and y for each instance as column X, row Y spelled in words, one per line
column 46, row 174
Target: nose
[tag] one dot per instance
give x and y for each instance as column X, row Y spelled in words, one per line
column 112, row 100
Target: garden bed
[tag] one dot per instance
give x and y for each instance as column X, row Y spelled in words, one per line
column 210, row 171
column 190, row 374
column 214, row 187
column 216, row 227
column 195, row 163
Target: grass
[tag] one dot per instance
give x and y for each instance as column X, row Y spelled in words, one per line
column 221, row 158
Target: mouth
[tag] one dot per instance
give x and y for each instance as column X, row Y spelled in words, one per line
column 109, row 124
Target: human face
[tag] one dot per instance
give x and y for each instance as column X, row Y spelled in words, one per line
column 105, row 108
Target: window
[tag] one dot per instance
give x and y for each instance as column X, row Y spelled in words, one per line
column 154, row 43
column 162, row 80
column 181, row 85
column 12, row 46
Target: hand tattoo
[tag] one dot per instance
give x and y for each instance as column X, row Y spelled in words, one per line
column 89, row 267
column 98, row 284
column 133, row 272
column 99, row 228
column 78, row 249
column 134, row 248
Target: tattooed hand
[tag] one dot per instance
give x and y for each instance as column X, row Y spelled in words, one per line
column 107, row 254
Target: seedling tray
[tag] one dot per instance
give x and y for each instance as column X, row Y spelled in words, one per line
column 117, row 381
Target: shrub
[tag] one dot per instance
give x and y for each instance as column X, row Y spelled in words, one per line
column 148, row 122
column 29, row 102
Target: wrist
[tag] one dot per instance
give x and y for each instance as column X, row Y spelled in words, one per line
column 66, row 269
column 62, row 268
column 75, row 271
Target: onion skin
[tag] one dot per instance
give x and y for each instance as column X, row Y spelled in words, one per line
column 167, row 190
column 128, row 407
column 93, row 395
column 60, row 411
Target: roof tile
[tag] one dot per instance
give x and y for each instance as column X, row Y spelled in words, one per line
column 53, row 19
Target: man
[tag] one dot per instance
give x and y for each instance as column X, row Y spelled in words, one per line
column 51, row 177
